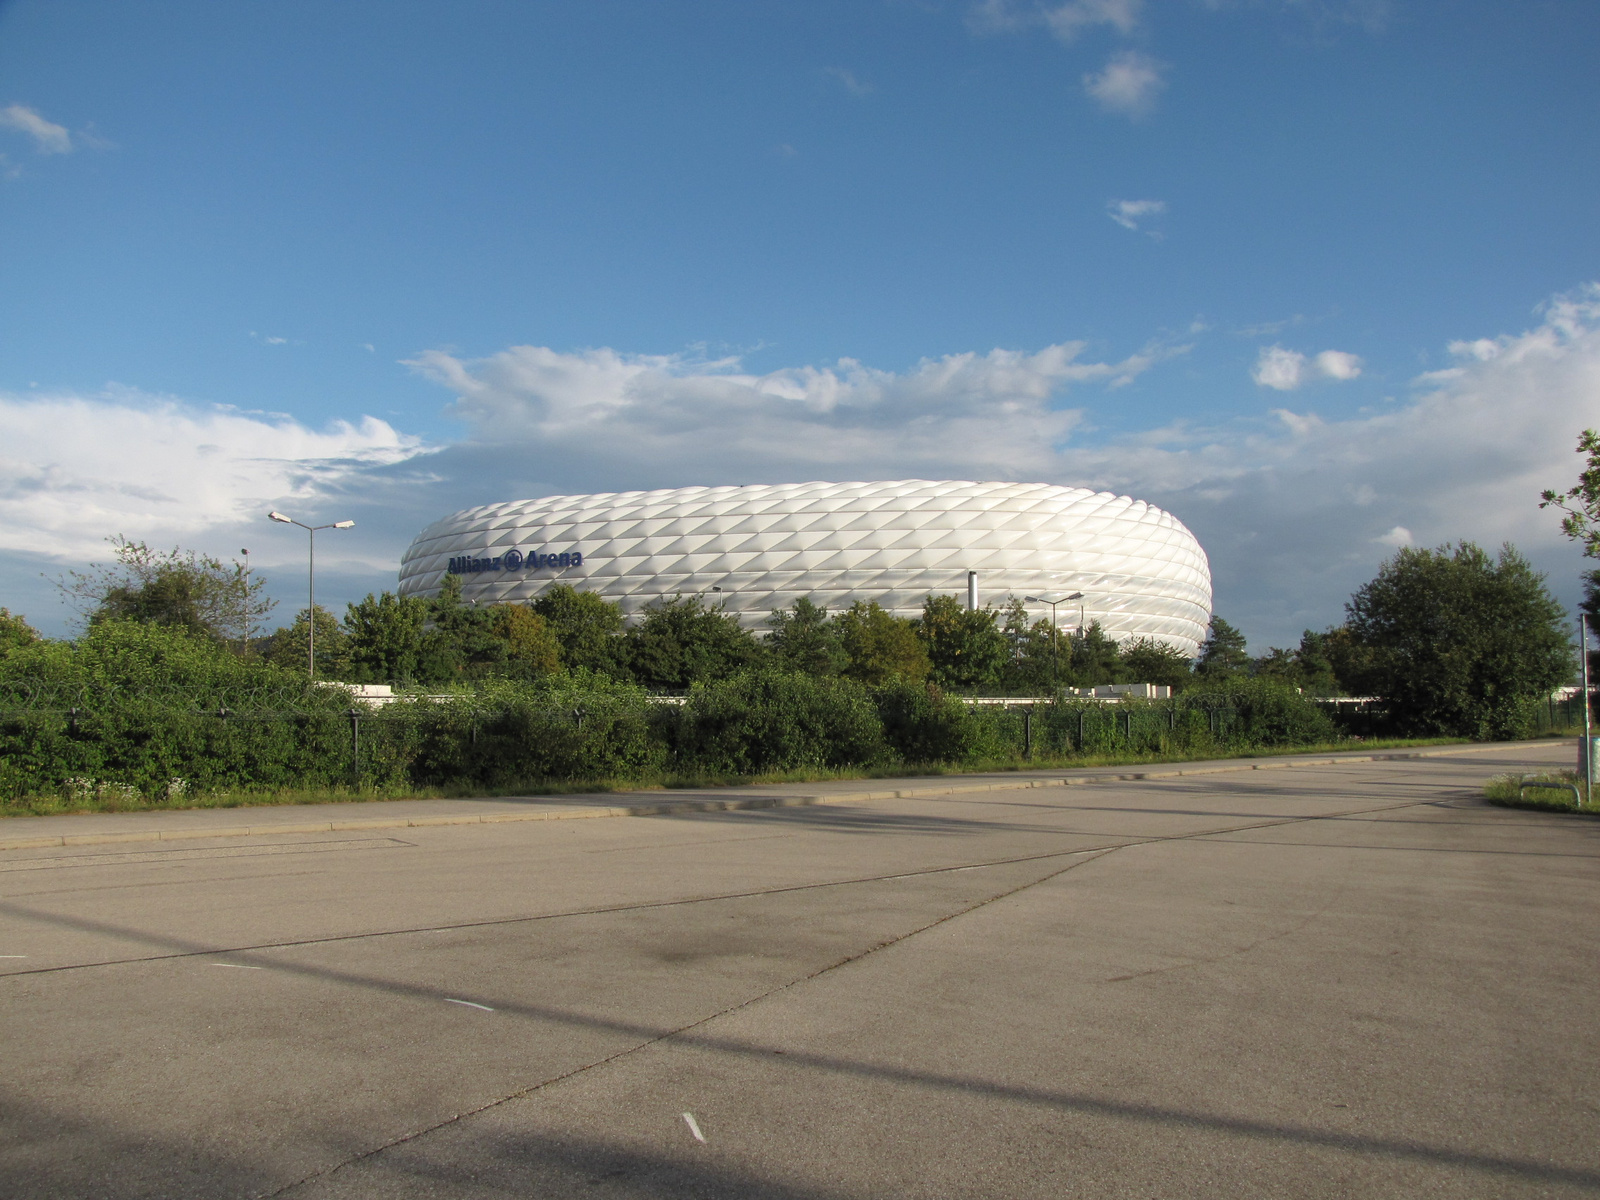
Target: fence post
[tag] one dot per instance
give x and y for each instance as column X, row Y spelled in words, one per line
column 1027, row 733
column 355, row 747
column 1081, row 714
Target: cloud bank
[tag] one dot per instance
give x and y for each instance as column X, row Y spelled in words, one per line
column 75, row 469
column 1295, row 509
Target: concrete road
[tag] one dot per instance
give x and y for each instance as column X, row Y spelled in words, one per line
column 1352, row 980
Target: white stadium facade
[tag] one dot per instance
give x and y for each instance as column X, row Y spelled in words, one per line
column 757, row 548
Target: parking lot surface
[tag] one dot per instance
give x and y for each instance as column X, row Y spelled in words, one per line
column 1350, row 979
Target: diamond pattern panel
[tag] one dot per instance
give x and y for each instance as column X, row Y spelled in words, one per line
column 1142, row 572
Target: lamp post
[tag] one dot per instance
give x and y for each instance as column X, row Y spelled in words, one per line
column 1055, row 630
column 244, row 650
column 311, row 583
column 1586, row 759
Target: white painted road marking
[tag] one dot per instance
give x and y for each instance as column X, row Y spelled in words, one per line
column 694, row 1127
column 468, row 1004
column 237, row 966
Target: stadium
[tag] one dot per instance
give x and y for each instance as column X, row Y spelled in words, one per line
column 757, row 548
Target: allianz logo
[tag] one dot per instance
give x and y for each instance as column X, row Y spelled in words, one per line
column 515, row 560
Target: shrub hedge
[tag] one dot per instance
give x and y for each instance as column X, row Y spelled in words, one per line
column 146, row 713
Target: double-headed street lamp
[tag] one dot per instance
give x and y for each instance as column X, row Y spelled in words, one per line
column 311, row 584
column 1055, row 630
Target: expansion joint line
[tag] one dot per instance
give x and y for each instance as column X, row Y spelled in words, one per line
column 192, row 951
column 1083, row 856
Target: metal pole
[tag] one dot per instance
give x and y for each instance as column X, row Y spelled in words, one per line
column 1055, row 642
column 245, row 649
column 972, row 591
column 311, row 609
column 1588, row 745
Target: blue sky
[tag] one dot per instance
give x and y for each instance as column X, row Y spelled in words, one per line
column 1316, row 275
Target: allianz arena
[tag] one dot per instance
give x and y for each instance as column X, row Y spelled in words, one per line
column 758, row 548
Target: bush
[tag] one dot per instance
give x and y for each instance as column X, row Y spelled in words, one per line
column 923, row 725
column 133, row 707
column 766, row 720
column 1272, row 714
column 507, row 732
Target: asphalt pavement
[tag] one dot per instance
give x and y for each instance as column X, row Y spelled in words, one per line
column 1350, row 979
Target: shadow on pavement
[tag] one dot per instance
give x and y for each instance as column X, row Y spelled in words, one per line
column 1153, row 1116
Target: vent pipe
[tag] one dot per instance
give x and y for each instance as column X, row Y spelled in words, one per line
column 972, row 591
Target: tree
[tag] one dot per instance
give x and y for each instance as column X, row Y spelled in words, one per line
column 1096, row 658
column 386, row 637
column 879, row 646
column 684, row 640
column 1581, row 502
column 1039, row 653
column 804, row 640
column 1223, row 655
column 178, row 588
column 587, row 628
column 287, row 648
column 1459, row 644
column 15, row 632
column 1146, row 660
column 1278, row 665
column 460, row 641
column 1314, row 661
column 964, row 645
column 531, row 646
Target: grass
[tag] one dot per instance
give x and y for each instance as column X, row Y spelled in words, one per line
column 53, row 805
column 1507, row 792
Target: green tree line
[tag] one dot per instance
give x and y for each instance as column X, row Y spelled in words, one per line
column 1449, row 641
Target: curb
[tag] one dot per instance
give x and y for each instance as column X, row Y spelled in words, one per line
column 732, row 804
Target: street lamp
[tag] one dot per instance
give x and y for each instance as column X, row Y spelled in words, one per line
column 311, row 584
column 245, row 649
column 1055, row 630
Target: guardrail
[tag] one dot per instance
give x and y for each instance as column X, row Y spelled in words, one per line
column 1525, row 784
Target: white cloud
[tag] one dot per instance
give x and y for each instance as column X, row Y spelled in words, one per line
column 1128, row 213
column 1129, row 84
column 1065, row 20
column 663, row 420
column 1336, row 364
column 48, row 137
column 1295, row 510
column 1293, row 517
column 1286, row 370
column 74, row 469
column 848, row 81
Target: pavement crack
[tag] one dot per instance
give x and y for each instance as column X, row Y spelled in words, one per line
column 179, row 948
column 1084, row 856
